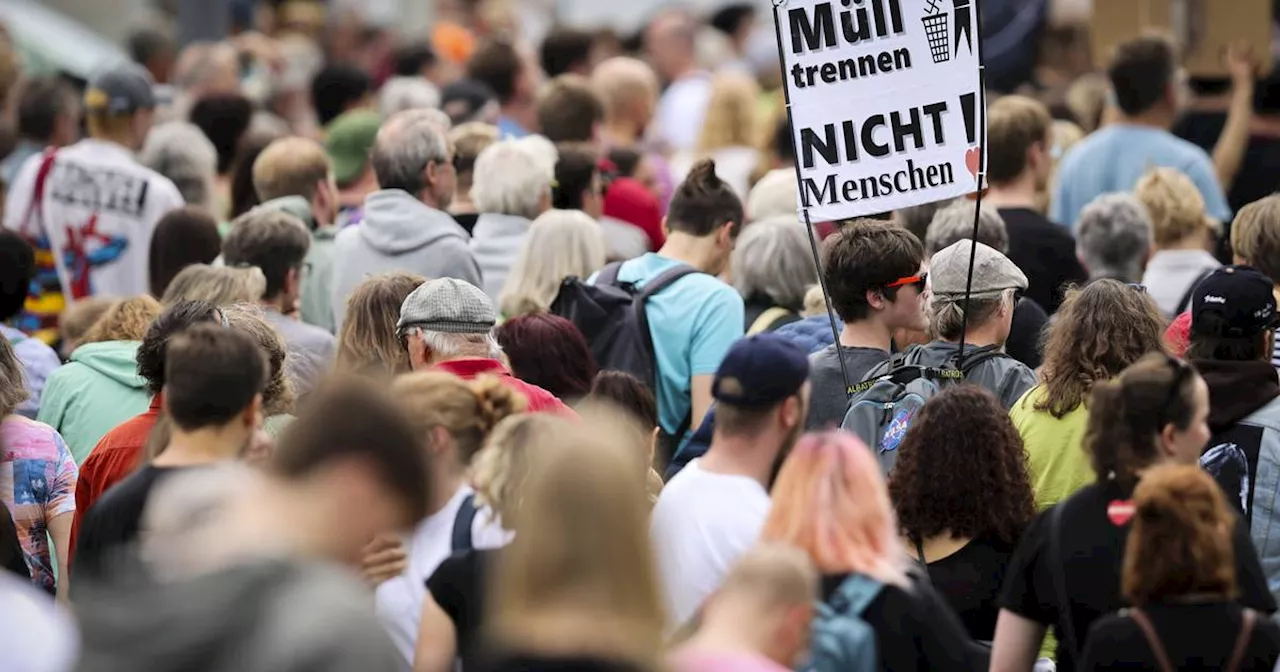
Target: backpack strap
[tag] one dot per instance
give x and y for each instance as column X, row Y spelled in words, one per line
column 1153, row 639
column 855, row 594
column 1058, row 569
column 766, row 320
column 37, row 191
column 1250, row 618
column 609, row 274
column 1185, row 301
column 462, row 523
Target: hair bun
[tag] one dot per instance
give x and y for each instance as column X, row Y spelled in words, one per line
column 702, row 177
column 497, row 402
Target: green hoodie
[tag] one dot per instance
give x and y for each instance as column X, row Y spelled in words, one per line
column 97, row 390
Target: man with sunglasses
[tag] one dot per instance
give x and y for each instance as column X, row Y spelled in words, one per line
column 1233, row 322
column 980, row 312
column 874, row 273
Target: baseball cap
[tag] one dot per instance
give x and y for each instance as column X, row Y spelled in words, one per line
column 448, row 305
column 993, row 273
column 120, row 89
column 760, row 371
column 348, row 140
column 464, row 99
column 1233, row 302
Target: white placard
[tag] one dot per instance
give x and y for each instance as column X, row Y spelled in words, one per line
column 886, row 102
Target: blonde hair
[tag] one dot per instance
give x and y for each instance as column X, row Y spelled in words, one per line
column 125, row 320
column 13, row 382
column 580, row 577
column 1174, row 203
column 815, row 302
column 1255, row 235
column 732, row 114
column 624, row 83
column 560, row 244
column 368, row 344
column 468, row 410
column 79, row 317
column 778, row 575
column 831, row 502
column 217, row 285
column 499, row 470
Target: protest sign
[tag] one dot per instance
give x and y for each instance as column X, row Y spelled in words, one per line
column 886, row 102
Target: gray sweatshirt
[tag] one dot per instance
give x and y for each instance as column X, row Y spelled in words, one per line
column 496, row 242
column 399, row 233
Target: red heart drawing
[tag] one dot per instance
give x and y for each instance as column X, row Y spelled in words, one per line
column 1120, row 512
column 972, row 161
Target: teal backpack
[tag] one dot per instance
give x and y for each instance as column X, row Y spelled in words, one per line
column 842, row 641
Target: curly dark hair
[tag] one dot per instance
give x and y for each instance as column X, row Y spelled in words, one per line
column 962, row 470
column 177, row 318
column 1100, row 330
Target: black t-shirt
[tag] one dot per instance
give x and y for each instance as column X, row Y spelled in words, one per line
column 466, row 220
column 970, row 580
column 114, row 520
column 755, row 307
column 1257, row 177
column 1092, row 548
column 1194, row 637
column 458, row 586
column 916, row 630
column 1029, row 321
column 1046, row 253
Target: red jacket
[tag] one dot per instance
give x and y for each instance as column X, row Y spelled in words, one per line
column 540, row 400
column 111, row 461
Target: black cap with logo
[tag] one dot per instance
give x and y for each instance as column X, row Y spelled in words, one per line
column 1233, row 302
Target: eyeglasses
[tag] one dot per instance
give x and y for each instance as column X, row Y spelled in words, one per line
column 1139, row 288
column 918, row 281
column 1181, row 373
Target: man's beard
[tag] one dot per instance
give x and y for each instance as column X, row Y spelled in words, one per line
column 788, row 443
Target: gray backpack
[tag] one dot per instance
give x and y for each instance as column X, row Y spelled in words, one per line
column 883, row 406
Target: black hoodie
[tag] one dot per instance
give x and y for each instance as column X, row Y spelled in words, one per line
column 1240, row 394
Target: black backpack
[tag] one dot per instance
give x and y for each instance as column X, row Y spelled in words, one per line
column 611, row 316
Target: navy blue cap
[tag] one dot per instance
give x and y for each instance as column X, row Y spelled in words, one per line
column 760, row 370
column 1233, row 302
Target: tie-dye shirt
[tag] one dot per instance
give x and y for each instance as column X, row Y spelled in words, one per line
column 38, row 484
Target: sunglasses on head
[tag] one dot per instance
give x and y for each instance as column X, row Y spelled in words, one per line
column 918, row 281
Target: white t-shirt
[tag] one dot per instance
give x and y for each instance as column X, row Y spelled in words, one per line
column 35, row 634
column 99, row 210
column 400, row 599
column 681, row 110
column 703, row 522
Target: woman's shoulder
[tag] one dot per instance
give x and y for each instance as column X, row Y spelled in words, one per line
column 24, row 438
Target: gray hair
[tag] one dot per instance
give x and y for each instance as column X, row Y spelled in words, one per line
column 406, row 144
column 946, row 314
column 446, row 345
column 218, row 285
column 512, row 177
column 181, row 152
column 917, row 218
column 772, row 258
column 1113, row 237
column 954, row 223
column 407, row 93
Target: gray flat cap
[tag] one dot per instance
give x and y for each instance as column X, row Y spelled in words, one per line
column 993, row 273
column 448, row 305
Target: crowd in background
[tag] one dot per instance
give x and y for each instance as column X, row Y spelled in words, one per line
column 328, row 348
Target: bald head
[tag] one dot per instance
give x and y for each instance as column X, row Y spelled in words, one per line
column 205, row 68
column 628, row 87
column 669, row 43
column 290, row 167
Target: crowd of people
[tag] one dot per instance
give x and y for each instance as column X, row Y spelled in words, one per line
column 326, row 353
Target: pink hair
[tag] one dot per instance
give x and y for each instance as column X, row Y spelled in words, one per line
column 831, row 502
